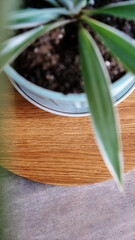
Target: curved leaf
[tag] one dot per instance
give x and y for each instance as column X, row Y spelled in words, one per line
column 122, row 9
column 79, row 4
column 96, row 80
column 120, row 44
column 6, row 6
column 27, row 18
column 11, row 48
column 53, row 2
column 69, row 4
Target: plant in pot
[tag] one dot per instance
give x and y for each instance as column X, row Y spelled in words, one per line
column 85, row 21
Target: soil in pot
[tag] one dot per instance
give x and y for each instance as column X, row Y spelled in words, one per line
column 52, row 62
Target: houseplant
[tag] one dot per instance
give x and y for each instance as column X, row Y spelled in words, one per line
column 96, row 78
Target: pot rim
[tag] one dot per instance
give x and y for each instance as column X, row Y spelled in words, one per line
column 115, row 87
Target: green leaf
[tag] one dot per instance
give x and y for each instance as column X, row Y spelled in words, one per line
column 69, row 4
column 122, row 9
column 6, row 6
column 11, row 48
column 90, row 2
column 120, row 44
column 27, row 18
column 53, row 2
column 97, row 80
column 79, row 4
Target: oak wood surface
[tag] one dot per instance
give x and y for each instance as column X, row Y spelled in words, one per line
column 56, row 150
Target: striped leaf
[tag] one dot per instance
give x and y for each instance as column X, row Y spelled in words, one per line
column 11, row 48
column 27, row 18
column 122, row 9
column 53, row 2
column 97, row 80
column 69, row 4
column 120, row 45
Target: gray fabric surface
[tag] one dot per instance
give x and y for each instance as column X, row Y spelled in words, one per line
column 37, row 211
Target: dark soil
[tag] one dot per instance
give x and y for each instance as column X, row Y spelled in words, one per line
column 53, row 62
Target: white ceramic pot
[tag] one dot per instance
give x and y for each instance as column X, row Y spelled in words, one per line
column 66, row 105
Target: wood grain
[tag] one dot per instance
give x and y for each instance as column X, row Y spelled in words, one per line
column 57, row 150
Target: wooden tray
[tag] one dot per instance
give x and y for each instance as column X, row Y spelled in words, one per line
column 57, row 150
